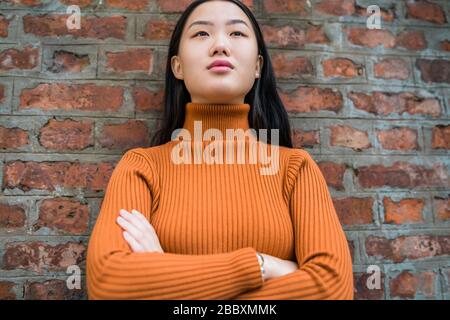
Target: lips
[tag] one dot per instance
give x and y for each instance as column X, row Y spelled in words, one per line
column 221, row 63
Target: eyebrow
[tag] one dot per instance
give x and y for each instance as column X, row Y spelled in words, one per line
column 229, row 22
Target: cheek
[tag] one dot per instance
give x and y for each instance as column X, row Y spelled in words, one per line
column 191, row 70
column 247, row 69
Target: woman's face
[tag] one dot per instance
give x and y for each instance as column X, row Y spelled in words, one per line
column 217, row 30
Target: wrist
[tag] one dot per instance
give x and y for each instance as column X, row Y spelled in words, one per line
column 262, row 265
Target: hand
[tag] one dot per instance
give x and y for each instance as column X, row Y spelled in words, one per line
column 139, row 233
column 276, row 267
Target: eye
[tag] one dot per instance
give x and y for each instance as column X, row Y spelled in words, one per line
column 199, row 33
column 205, row 33
column 239, row 33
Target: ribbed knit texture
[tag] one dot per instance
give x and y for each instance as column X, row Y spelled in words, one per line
column 211, row 220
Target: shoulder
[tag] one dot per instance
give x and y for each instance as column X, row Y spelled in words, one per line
column 297, row 160
column 148, row 154
column 140, row 160
column 152, row 158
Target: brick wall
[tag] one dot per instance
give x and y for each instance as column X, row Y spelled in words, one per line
column 372, row 106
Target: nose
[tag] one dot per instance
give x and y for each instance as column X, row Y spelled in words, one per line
column 220, row 46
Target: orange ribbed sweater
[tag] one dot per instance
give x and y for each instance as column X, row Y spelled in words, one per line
column 211, row 219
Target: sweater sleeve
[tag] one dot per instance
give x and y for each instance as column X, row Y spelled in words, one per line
column 321, row 248
column 113, row 271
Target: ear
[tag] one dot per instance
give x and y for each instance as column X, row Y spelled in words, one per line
column 176, row 67
column 259, row 65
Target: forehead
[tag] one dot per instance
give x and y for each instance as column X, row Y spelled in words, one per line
column 217, row 12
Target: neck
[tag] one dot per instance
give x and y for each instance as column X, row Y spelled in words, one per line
column 216, row 116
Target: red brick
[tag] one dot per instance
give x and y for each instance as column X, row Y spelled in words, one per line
column 316, row 34
column 403, row 211
column 411, row 40
column 65, row 61
column 146, row 100
column 60, row 96
column 386, row 103
column 387, row 15
column 7, row 290
column 353, row 211
column 402, row 175
column 333, row 174
column 25, row 59
column 38, row 256
column 306, row 99
column 349, row 137
column 392, row 68
column 285, row 36
column 80, row 3
column 131, row 60
column 158, row 30
column 362, row 292
column 181, row 5
column 174, row 5
column 132, row 134
column 441, row 137
column 442, row 208
column 398, row 139
column 53, row 289
column 302, row 138
column 297, row 7
column 293, row 36
column 49, row 175
column 28, row 3
column 337, row 7
column 291, row 67
column 342, row 67
column 128, row 4
column 408, row 247
column 50, row 25
column 425, row 10
column 445, row 45
column 64, row 216
column 434, row 70
column 12, row 216
column 66, row 135
column 13, row 138
column 4, row 26
column 408, row 284
column 371, row 37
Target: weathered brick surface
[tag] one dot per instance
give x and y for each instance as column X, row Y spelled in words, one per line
column 371, row 105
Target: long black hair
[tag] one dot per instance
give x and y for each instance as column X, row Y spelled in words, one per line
column 266, row 108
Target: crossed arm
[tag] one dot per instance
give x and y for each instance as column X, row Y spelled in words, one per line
column 321, row 249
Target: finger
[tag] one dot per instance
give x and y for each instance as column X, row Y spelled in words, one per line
column 143, row 219
column 135, row 246
column 130, row 228
column 150, row 240
column 145, row 236
column 131, row 218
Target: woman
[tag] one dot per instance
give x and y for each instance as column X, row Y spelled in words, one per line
column 173, row 228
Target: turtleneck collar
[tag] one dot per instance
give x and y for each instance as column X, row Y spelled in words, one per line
column 218, row 116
